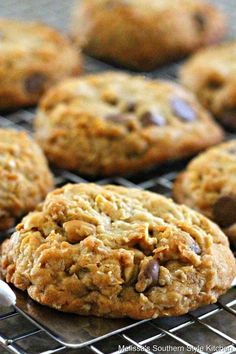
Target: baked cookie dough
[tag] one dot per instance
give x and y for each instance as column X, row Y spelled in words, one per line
column 143, row 34
column 117, row 252
column 211, row 75
column 33, row 57
column 209, row 186
column 24, row 176
column 114, row 123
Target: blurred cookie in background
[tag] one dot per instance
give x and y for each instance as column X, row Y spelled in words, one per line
column 143, row 34
column 114, row 123
column 211, row 75
column 33, row 57
column 208, row 185
column 25, row 178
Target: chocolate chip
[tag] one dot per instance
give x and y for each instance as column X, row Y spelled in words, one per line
column 151, row 118
column 35, row 83
column 183, row 109
column 228, row 116
column 113, row 101
column 116, row 118
column 215, row 83
column 200, row 20
column 224, row 210
column 195, row 247
column 151, row 272
column 130, row 107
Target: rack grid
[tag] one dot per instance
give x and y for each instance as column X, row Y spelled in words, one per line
column 211, row 329
column 202, row 331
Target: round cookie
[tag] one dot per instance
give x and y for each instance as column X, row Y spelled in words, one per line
column 209, row 186
column 115, row 123
column 117, row 252
column 24, row 176
column 143, row 34
column 33, row 57
column 211, row 75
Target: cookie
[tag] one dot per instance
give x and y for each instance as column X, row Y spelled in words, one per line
column 211, row 75
column 24, row 176
column 143, row 34
column 118, row 252
column 33, row 57
column 114, row 123
column 209, row 186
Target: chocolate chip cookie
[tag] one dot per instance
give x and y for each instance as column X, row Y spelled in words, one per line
column 209, row 186
column 118, row 252
column 24, row 176
column 211, row 75
column 143, row 34
column 114, row 123
column 33, row 57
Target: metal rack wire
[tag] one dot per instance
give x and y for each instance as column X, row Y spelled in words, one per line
column 208, row 330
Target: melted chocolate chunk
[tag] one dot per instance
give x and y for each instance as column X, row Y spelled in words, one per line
column 150, row 118
column 228, row 116
column 183, row 109
column 224, row 210
column 113, row 101
column 151, row 272
column 131, row 106
column 35, row 83
column 215, row 84
column 200, row 20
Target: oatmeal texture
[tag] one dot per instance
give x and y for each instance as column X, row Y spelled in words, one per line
column 24, row 176
column 143, row 34
column 115, row 123
column 211, row 75
column 116, row 252
column 33, row 57
column 209, row 186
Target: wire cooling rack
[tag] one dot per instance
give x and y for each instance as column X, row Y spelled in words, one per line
column 208, row 330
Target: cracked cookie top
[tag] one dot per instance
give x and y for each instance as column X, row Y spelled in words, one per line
column 113, row 251
column 112, row 122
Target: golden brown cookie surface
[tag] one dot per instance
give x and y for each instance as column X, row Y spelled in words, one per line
column 209, row 186
column 115, row 123
column 24, row 176
column 211, row 75
column 33, row 57
column 143, row 34
column 113, row 251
